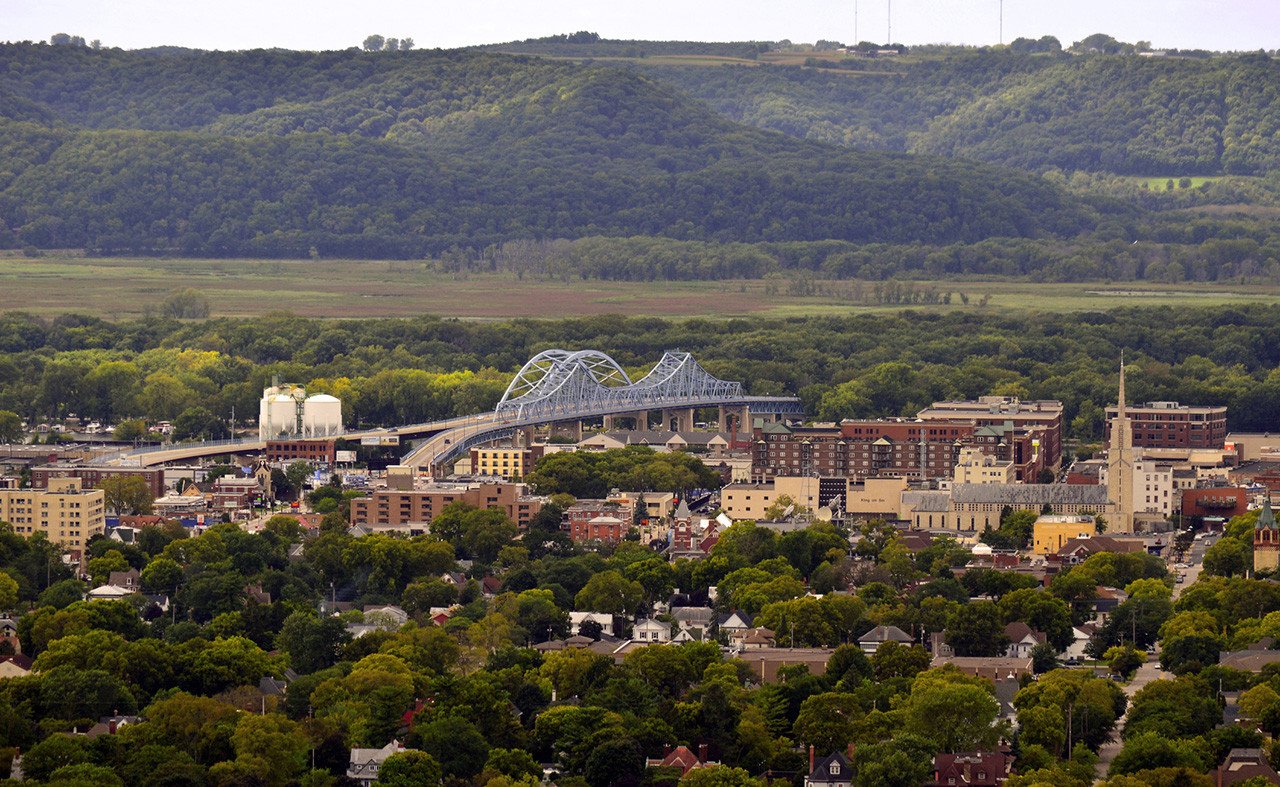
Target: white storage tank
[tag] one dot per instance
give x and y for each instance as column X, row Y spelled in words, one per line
column 322, row 416
column 278, row 411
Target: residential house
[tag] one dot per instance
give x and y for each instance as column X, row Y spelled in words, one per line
column 1249, row 660
column 15, row 665
column 831, row 771
column 110, row 725
column 109, row 593
column 734, row 622
column 873, row 639
column 651, row 631
column 1244, row 764
column 9, row 635
column 754, row 639
column 1022, row 639
column 364, row 764
column 683, row 758
column 971, row 769
column 576, row 619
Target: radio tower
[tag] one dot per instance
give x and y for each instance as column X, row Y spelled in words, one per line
column 855, row 22
column 1001, row 22
column 890, row 23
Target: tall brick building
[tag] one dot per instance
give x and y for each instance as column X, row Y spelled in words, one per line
column 1174, row 425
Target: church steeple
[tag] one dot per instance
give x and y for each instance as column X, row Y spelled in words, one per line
column 1267, row 518
column 1120, row 469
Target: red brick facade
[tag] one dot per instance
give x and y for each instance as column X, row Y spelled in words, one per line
column 396, row 507
column 91, row 476
column 322, row 451
column 1171, row 425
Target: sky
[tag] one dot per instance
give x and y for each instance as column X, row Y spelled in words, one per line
column 337, row 24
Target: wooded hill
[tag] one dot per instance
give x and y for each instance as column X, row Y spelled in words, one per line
column 1113, row 113
column 272, row 153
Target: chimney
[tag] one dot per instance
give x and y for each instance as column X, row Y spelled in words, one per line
column 702, row 752
column 666, row 750
column 810, row 759
column 850, row 752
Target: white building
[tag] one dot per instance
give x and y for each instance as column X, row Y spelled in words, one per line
column 1153, row 487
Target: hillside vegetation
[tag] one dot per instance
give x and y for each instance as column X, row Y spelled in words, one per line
column 410, row 153
column 1113, row 113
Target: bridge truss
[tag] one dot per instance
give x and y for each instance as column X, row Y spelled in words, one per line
column 563, row 384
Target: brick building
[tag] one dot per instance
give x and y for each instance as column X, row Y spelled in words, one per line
column 579, row 518
column 1173, row 425
column 998, row 410
column 320, row 451
column 893, row 448
column 398, row 507
column 91, row 475
column 1214, row 503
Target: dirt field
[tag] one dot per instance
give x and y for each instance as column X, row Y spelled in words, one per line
column 126, row 287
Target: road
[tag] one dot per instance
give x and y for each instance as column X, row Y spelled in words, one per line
column 1150, row 670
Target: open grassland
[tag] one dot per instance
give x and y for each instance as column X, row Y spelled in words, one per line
column 126, row 287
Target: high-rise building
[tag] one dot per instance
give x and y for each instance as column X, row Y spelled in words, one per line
column 66, row 512
column 1120, row 466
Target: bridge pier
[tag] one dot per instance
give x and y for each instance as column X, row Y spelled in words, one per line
column 682, row 417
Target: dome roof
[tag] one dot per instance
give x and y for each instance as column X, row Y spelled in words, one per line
column 323, row 398
column 982, row 549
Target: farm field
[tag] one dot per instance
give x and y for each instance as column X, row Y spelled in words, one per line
column 128, row 287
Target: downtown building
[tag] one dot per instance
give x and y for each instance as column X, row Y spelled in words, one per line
column 1173, row 425
column 898, row 448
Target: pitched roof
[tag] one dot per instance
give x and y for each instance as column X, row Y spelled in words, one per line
column 832, row 769
column 1266, row 519
column 885, row 634
column 1030, row 495
column 1017, row 631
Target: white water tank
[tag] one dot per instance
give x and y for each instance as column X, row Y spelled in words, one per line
column 278, row 411
column 322, row 416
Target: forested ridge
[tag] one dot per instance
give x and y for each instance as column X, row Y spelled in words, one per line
column 1113, row 113
column 409, row 153
column 397, row 371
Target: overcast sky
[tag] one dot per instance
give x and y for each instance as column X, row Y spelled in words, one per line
column 336, row 24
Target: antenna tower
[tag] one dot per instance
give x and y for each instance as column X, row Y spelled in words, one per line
column 890, row 23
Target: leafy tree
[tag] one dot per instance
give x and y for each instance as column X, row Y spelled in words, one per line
column 126, row 494
column 409, row 768
column 455, row 743
column 197, row 423
column 186, row 303
column 828, row 721
column 312, row 642
column 610, row 592
column 11, row 430
column 976, row 630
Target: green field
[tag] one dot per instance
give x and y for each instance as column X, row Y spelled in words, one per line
column 128, row 287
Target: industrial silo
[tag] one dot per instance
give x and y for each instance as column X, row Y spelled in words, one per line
column 322, row 416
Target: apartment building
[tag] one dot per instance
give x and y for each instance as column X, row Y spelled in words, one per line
column 65, row 511
column 92, row 475
column 997, row 410
column 421, row 505
column 1173, row 425
column 886, row 448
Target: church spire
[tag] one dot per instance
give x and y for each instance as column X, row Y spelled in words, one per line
column 1120, row 404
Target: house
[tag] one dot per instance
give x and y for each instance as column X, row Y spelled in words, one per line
column 490, row 586
column 683, row 758
column 364, row 765
column 15, row 666
column 873, row 639
column 754, row 639
column 9, row 635
column 972, row 769
column 576, row 619
column 650, row 630
column 1080, row 636
column 1022, row 639
column 110, row 725
column 734, row 621
column 109, row 593
column 1249, row 660
column 831, row 771
column 386, row 614
column 1244, row 764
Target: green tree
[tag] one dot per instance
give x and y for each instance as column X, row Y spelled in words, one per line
column 455, row 743
column 976, row 629
column 126, row 494
column 610, row 592
column 828, row 721
column 186, row 303
column 409, row 768
column 952, row 709
column 11, row 430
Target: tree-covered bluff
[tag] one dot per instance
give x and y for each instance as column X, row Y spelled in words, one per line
column 409, row 153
